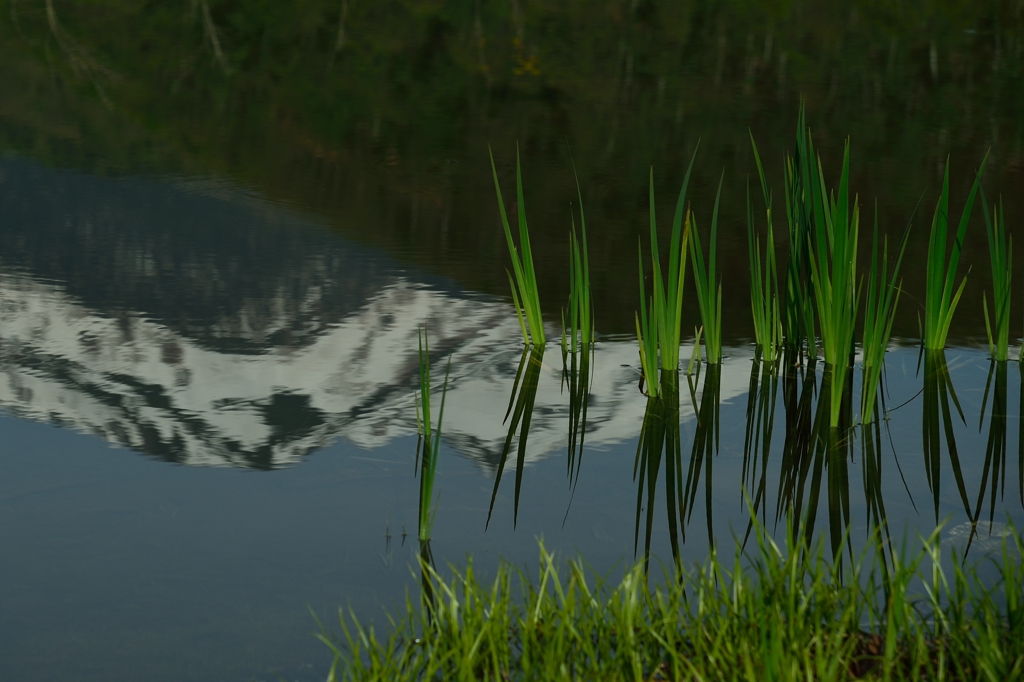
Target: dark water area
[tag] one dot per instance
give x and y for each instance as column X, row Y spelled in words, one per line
column 222, row 226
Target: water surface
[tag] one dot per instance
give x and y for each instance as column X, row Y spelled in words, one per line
column 214, row 263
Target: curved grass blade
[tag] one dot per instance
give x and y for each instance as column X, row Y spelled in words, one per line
column 523, row 281
column 709, row 289
column 883, row 295
column 940, row 298
column 1000, row 249
column 764, row 283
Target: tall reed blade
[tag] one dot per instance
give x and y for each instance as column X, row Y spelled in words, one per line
column 833, row 261
column 578, row 329
column 523, row 278
column 940, row 299
column 709, row 288
column 659, row 321
column 429, row 444
column 764, row 283
column 798, row 299
column 1000, row 250
column 883, row 295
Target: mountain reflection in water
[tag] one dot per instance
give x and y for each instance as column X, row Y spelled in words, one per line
column 286, row 337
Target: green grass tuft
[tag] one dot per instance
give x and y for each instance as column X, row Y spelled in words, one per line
column 766, row 615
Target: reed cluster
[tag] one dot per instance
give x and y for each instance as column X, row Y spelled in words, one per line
column 819, row 306
column 659, row 321
column 767, row 614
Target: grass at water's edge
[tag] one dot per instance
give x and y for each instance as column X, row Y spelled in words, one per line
column 768, row 616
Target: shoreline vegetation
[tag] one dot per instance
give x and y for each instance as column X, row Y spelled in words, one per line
column 790, row 612
column 767, row 615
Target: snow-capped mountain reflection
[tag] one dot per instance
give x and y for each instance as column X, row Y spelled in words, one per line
column 138, row 383
column 197, row 324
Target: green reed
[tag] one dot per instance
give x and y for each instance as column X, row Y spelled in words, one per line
column 764, row 284
column 776, row 612
column 578, row 320
column 525, row 294
column 1000, row 250
column 429, row 444
column 940, row 278
column 709, row 296
column 883, row 295
column 833, row 261
column 798, row 299
column 659, row 321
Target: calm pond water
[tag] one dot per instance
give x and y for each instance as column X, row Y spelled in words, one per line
column 221, row 229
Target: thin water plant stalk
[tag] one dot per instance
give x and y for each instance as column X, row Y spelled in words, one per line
column 578, row 319
column 882, row 298
column 1000, row 250
column 709, row 288
column 940, row 277
column 429, row 445
column 659, row 321
column 798, row 296
column 764, row 283
column 833, row 259
column 525, row 294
